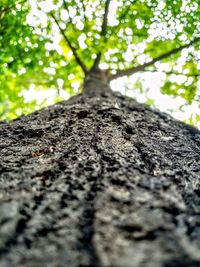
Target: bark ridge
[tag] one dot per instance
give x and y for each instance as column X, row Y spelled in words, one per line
column 99, row 181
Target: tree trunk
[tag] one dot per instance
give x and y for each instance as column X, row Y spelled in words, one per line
column 99, row 180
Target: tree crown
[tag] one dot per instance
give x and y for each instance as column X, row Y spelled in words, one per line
column 53, row 45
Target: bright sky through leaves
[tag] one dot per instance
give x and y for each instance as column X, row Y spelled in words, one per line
column 39, row 67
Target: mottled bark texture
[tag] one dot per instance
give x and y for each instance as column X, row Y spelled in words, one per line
column 99, row 181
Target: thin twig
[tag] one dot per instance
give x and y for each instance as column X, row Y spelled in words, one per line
column 173, row 72
column 84, row 10
column 78, row 60
column 122, row 17
column 103, row 32
column 133, row 70
column 67, row 9
column 10, row 7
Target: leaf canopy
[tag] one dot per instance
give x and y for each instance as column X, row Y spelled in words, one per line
column 47, row 47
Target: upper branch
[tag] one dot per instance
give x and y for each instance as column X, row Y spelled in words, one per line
column 10, row 7
column 84, row 11
column 78, row 60
column 67, row 9
column 103, row 32
column 65, row 5
column 174, row 72
column 133, row 70
column 105, row 18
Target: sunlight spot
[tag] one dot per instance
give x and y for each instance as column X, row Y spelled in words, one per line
column 40, row 95
column 128, row 55
column 72, row 11
column 157, row 13
column 113, row 71
column 179, row 27
column 186, row 71
column 63, row 94
column 183, row 37
column 80, row 25
column 76, row 86
column 50, row 71
column 139, row 23
column 69, row 54
column 161, row 5
column 60, row 82
column 81, row 40
column 103, row 66
column 128, row 31
column 18, row 6
column 194, row 7
column 46, row 6
column 64, row 15
column 190, row 80
column 178, row 68
column 151, row 83
column 171, row 36
column 142, row 59
column 112, row 20
column 21, row 71
column 63, row 63
column 71, row 76
column 48, row 46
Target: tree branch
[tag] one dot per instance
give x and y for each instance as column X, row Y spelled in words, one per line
column 67, row 9
column 78, row 60
column 10, row 7
column 84, row 10
column 103, row 32
column 122, row 16
column 65, row 5
column 105, row 18
column 173, row 72
column 130, row 71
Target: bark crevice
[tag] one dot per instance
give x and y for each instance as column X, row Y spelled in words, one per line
column 99, row 180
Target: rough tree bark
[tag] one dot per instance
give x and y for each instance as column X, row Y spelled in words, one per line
column 99, row 180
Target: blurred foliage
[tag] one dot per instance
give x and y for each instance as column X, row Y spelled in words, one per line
column 37, row 66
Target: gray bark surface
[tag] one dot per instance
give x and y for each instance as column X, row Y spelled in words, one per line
column 99, row 181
